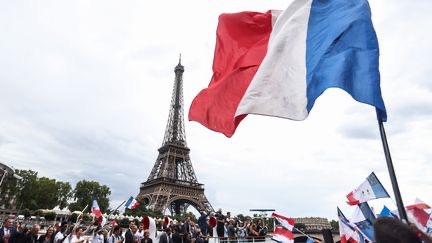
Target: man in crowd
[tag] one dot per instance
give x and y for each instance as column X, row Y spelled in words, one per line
column 33, row 235
column 8, row 232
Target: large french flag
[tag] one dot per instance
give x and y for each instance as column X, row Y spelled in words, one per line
column 370, row 189
column 279, row 68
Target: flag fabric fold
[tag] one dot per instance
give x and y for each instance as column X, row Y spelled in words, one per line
column 419, row 214
column 241, row 44
column 283, row 235
column 386, row 212
column 363, row 219
column 131, row 203
column 370, row 189
column 95, row 208
column 280, row 70
column 287, row 223
column 348, row 234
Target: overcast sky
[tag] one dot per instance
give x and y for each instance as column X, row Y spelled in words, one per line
column 85, row 89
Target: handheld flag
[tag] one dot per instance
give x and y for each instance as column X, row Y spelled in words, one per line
column 287, row 223
column 347, row 232
column 131, row 203
column 95, row 208
column 368, row 190
column 283, row 235
column 386, row 212
column 419, row 214
column 280, row 70
column 363, row 218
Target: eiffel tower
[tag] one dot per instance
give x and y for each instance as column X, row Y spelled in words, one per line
column 172, row 183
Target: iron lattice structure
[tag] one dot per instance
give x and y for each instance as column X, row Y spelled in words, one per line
column 172, row 183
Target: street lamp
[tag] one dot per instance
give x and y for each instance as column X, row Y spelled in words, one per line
column 8, row 171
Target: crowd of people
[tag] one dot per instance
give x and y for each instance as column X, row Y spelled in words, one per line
column 215, row 224
column 224, row 227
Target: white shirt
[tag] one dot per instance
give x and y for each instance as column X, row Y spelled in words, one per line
column 99, row 238
column 58, row 237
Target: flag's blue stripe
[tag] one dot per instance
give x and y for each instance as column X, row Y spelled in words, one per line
column 342, row 51
column 367, row 211
column 128, row 202
column 376, row 186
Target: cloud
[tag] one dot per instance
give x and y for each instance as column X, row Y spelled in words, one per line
column 86, row 90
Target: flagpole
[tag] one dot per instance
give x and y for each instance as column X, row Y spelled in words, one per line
column 116, row 208
column 398, row 197
column 82, row 211
column 303, row 233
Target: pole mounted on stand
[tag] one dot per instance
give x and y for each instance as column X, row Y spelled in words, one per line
column 398, row 197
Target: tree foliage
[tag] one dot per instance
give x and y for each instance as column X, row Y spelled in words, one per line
column 33, row 192
column 84, row 193
column 334, row 224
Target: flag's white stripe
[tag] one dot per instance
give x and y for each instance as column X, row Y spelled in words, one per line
column 279, row 86
column 282, row 239
column 364, row 192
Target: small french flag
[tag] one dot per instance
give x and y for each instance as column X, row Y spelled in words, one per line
column 287, row 223
column 131, row 203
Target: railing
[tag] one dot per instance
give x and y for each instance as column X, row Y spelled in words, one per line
column 252, row 239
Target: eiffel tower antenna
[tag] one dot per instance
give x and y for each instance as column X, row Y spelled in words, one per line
column 172, row 183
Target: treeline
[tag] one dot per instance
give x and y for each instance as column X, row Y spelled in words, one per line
column 33, row 192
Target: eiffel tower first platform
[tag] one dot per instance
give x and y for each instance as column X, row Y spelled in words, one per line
column 172, row 183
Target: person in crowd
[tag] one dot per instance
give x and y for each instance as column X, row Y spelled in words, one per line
column 166, row 236
column 99, row 236
column 61, row 234
column 139, row 235
column 241, row 232
column 187, row 238
column 252, row 229
column 210, row 224
column 220, row 226
column 231, row 231
column 116, row 236
column 391, row 230
column 129, row 235
column 77, row 235
column 8, row 232
column 146, row 238
column 186, row 227
column 33, row 235
column 48, row 237
column 175, row 235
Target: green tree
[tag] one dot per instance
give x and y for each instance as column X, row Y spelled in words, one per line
column 124, row 222
column 300, row 226
column 45, row 193
column 8, row 191
column 64, row 194
column 27, row 188
column 50, row 216
column 85, row 191
column 335, row 225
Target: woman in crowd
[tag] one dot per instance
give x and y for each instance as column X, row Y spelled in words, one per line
column 48, row 237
